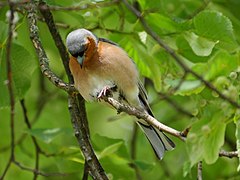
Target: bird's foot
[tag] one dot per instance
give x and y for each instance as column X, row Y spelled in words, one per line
column 104, row 92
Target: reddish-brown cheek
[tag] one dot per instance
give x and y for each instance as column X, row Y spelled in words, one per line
column 90, row 50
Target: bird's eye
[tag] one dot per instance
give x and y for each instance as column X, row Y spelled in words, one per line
column 81, row 53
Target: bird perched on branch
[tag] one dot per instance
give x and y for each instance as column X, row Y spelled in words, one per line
column 100, row 66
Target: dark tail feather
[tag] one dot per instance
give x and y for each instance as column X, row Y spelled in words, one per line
column 159, row 141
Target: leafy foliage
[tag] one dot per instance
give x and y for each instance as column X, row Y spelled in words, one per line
column 205, row 34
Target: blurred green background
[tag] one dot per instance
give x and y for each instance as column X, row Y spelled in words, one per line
column 205, row 34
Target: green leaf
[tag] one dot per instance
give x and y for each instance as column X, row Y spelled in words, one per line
column 117, row 167
column 105, row 146
column 213, row 142
column 137, row 54
column 200, row 45
column 221, row 64
column 144, row 165
column 3, row 33
column 46, row 135
column 146, row 63
column 110, row 18
column 75, row 159
column 187, row 87
column 110, row 150
column 207, row 136
column 186, row 168
column 237, row 123
column 149, row 4
column 164, row 23
column 23, row 65
column 216, row 27
column 186, row 50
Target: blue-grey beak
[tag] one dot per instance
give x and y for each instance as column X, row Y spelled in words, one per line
column 80, row 60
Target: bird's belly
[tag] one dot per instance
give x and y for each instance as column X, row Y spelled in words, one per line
column 91, row 87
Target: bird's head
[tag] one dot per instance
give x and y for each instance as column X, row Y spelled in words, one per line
column 81, row 44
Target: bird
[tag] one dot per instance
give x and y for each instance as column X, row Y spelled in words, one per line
column 100, row 66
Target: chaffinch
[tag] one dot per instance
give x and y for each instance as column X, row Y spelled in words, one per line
column 99, row 66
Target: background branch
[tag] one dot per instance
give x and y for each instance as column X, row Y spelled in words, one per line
column 35, row 171
column 79, row 7
column 230, row 154
column 10, row 87
column 170, row 51
column 199, row 170
column 133, row 151
column 37, row 147
column 175, row 105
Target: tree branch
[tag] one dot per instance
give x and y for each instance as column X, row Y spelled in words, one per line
column 75, row 110
column 76, row 102
column 60, row 46
column 199, row 170
column 43, row 59
column 56, row 36
column 230, row 154
column 85, row 171
column 145, row 116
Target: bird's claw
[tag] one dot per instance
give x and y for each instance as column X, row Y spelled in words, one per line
column 103, row 92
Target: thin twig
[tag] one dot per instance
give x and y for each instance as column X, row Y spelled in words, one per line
column 133, row 150
column 230, row 154
column 37, row 147
column 85, row 171
column 180, row 83
column 10, row 87
column 170, row 51
column 35, row 171
column 43, row 99
column 201, row 8
column 19, row 3
column 81, row 7
column 199, row 170
column 133, row 141
column 6, row 168
column 175, row 105
column 143, row 115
